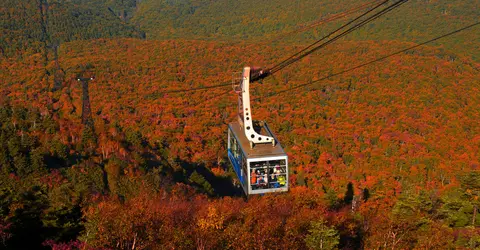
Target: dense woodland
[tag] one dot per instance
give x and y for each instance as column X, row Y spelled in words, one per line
column 37, row 25
column 266, row 21
column 384, row 156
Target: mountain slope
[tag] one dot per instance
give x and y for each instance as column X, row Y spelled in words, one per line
column 415, row 21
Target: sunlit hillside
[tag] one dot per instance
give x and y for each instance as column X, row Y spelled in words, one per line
column 35, row 26
column 114, row 116
column 262, row 21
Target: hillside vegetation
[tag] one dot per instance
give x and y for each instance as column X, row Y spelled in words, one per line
column 261, row 21
column 34, row 26
column 386, row 155
column 395, row 133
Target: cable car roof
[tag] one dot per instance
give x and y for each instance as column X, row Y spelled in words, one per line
column 258, row 150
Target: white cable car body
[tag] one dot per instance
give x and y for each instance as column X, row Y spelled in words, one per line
column 257, row 157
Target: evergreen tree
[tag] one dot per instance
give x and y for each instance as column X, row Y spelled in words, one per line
column 470, row 184
column 349, row 194
column 200, row 180
column 320, row 236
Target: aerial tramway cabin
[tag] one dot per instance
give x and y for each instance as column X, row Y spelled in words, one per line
column 257, row 157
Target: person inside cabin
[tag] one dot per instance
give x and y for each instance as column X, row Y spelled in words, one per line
column 253, row 178
column 273, row 178
column 281, row 178
column 262, row 180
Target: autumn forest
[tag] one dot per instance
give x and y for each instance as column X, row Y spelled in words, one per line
column 114, row 116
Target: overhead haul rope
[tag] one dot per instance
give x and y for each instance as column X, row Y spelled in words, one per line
column 325, row 20
column 371, row 62
column 349, row 69
column 292, row 57
column 288, row 60
column 308, row 50
column 331, row 33
column 362, row 23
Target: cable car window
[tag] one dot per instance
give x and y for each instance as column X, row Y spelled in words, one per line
column 234, row 145
column 245, row 171
column 236, row 151
column 268, row 174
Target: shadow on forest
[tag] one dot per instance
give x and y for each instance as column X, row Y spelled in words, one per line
column 199, row 175
column 195, row 174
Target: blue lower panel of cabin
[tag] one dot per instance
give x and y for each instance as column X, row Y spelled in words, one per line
column 236, row 165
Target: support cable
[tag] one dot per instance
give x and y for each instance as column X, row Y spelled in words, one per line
column 325, row 20
column 299, row 56
column 370, row 62
column 328, row 35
